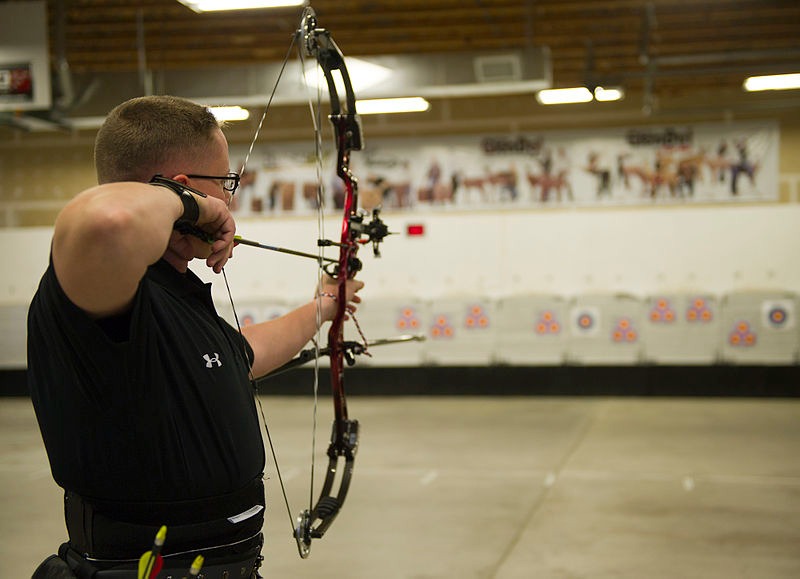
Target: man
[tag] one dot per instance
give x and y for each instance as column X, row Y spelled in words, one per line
column 142, row 392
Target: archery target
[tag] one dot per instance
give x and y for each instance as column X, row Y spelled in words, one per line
column 604, row 329
column 586, row 321
column 407, row 319
column 624, row 332
column 662, row 312
column 476, row 318
column 759, row 327
column 681, row 328
column 547, row 324
column 442, row 328
column 699, row 311
column 531, row 329
column 742, row 335
column 778, row 314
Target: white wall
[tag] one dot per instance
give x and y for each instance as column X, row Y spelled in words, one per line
column 568, row 252
column 715, row 249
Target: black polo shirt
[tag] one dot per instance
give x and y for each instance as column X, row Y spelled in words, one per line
column 155, row 405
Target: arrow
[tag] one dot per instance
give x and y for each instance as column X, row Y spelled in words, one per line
column 197, row 564
column 239, row 240
column 151, row 561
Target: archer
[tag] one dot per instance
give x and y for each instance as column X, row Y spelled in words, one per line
column 142, row 392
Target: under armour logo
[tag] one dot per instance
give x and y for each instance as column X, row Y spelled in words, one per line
column 211, row 361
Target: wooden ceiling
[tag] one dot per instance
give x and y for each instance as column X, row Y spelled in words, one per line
column 692, row 52
column 679, row 42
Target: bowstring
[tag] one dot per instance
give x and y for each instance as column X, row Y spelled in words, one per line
column 253, row 381
column 254, row 386
column 269, row 104
column 316, row 121
column 316, row 115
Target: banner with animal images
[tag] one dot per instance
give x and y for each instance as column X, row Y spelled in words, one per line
column 708, row 163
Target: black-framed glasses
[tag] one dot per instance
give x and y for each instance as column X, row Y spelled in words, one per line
column 230, row 182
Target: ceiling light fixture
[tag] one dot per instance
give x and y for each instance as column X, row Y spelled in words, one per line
column 561, row 96
column 218, row 5
column 392, row 105
column 773, row 82
column 230, row 113
column 605, row 95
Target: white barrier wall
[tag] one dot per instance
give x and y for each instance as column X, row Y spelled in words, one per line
column 568, row 253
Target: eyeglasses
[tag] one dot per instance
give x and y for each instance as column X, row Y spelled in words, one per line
column 230, row 182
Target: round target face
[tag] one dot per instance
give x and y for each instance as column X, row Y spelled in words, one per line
column 585, row 321
column 777, row 316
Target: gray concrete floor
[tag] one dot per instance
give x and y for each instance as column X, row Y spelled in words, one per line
column 503, row 488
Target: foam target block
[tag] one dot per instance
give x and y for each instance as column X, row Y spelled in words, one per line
column 682, row 329
column 760, row 327
column 392, row 318
column 532, row 329
column 461, row 331
column 605, row 329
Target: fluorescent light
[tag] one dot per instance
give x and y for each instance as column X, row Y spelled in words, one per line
column 560, row 96
column 230, row 113
column 608, row 94
column 773, row 82
column 393, row 105
column 215, row 5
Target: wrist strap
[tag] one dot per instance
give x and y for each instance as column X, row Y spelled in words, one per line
column 191, row 210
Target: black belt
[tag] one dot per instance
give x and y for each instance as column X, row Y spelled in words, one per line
column 105, row 530
column 217, row 565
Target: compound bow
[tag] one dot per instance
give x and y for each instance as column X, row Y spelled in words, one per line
column 316, row 43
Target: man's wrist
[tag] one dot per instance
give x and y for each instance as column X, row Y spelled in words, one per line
column 191, row 209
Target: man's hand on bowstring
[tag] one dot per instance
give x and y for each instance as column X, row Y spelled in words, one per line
column 218, row 223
